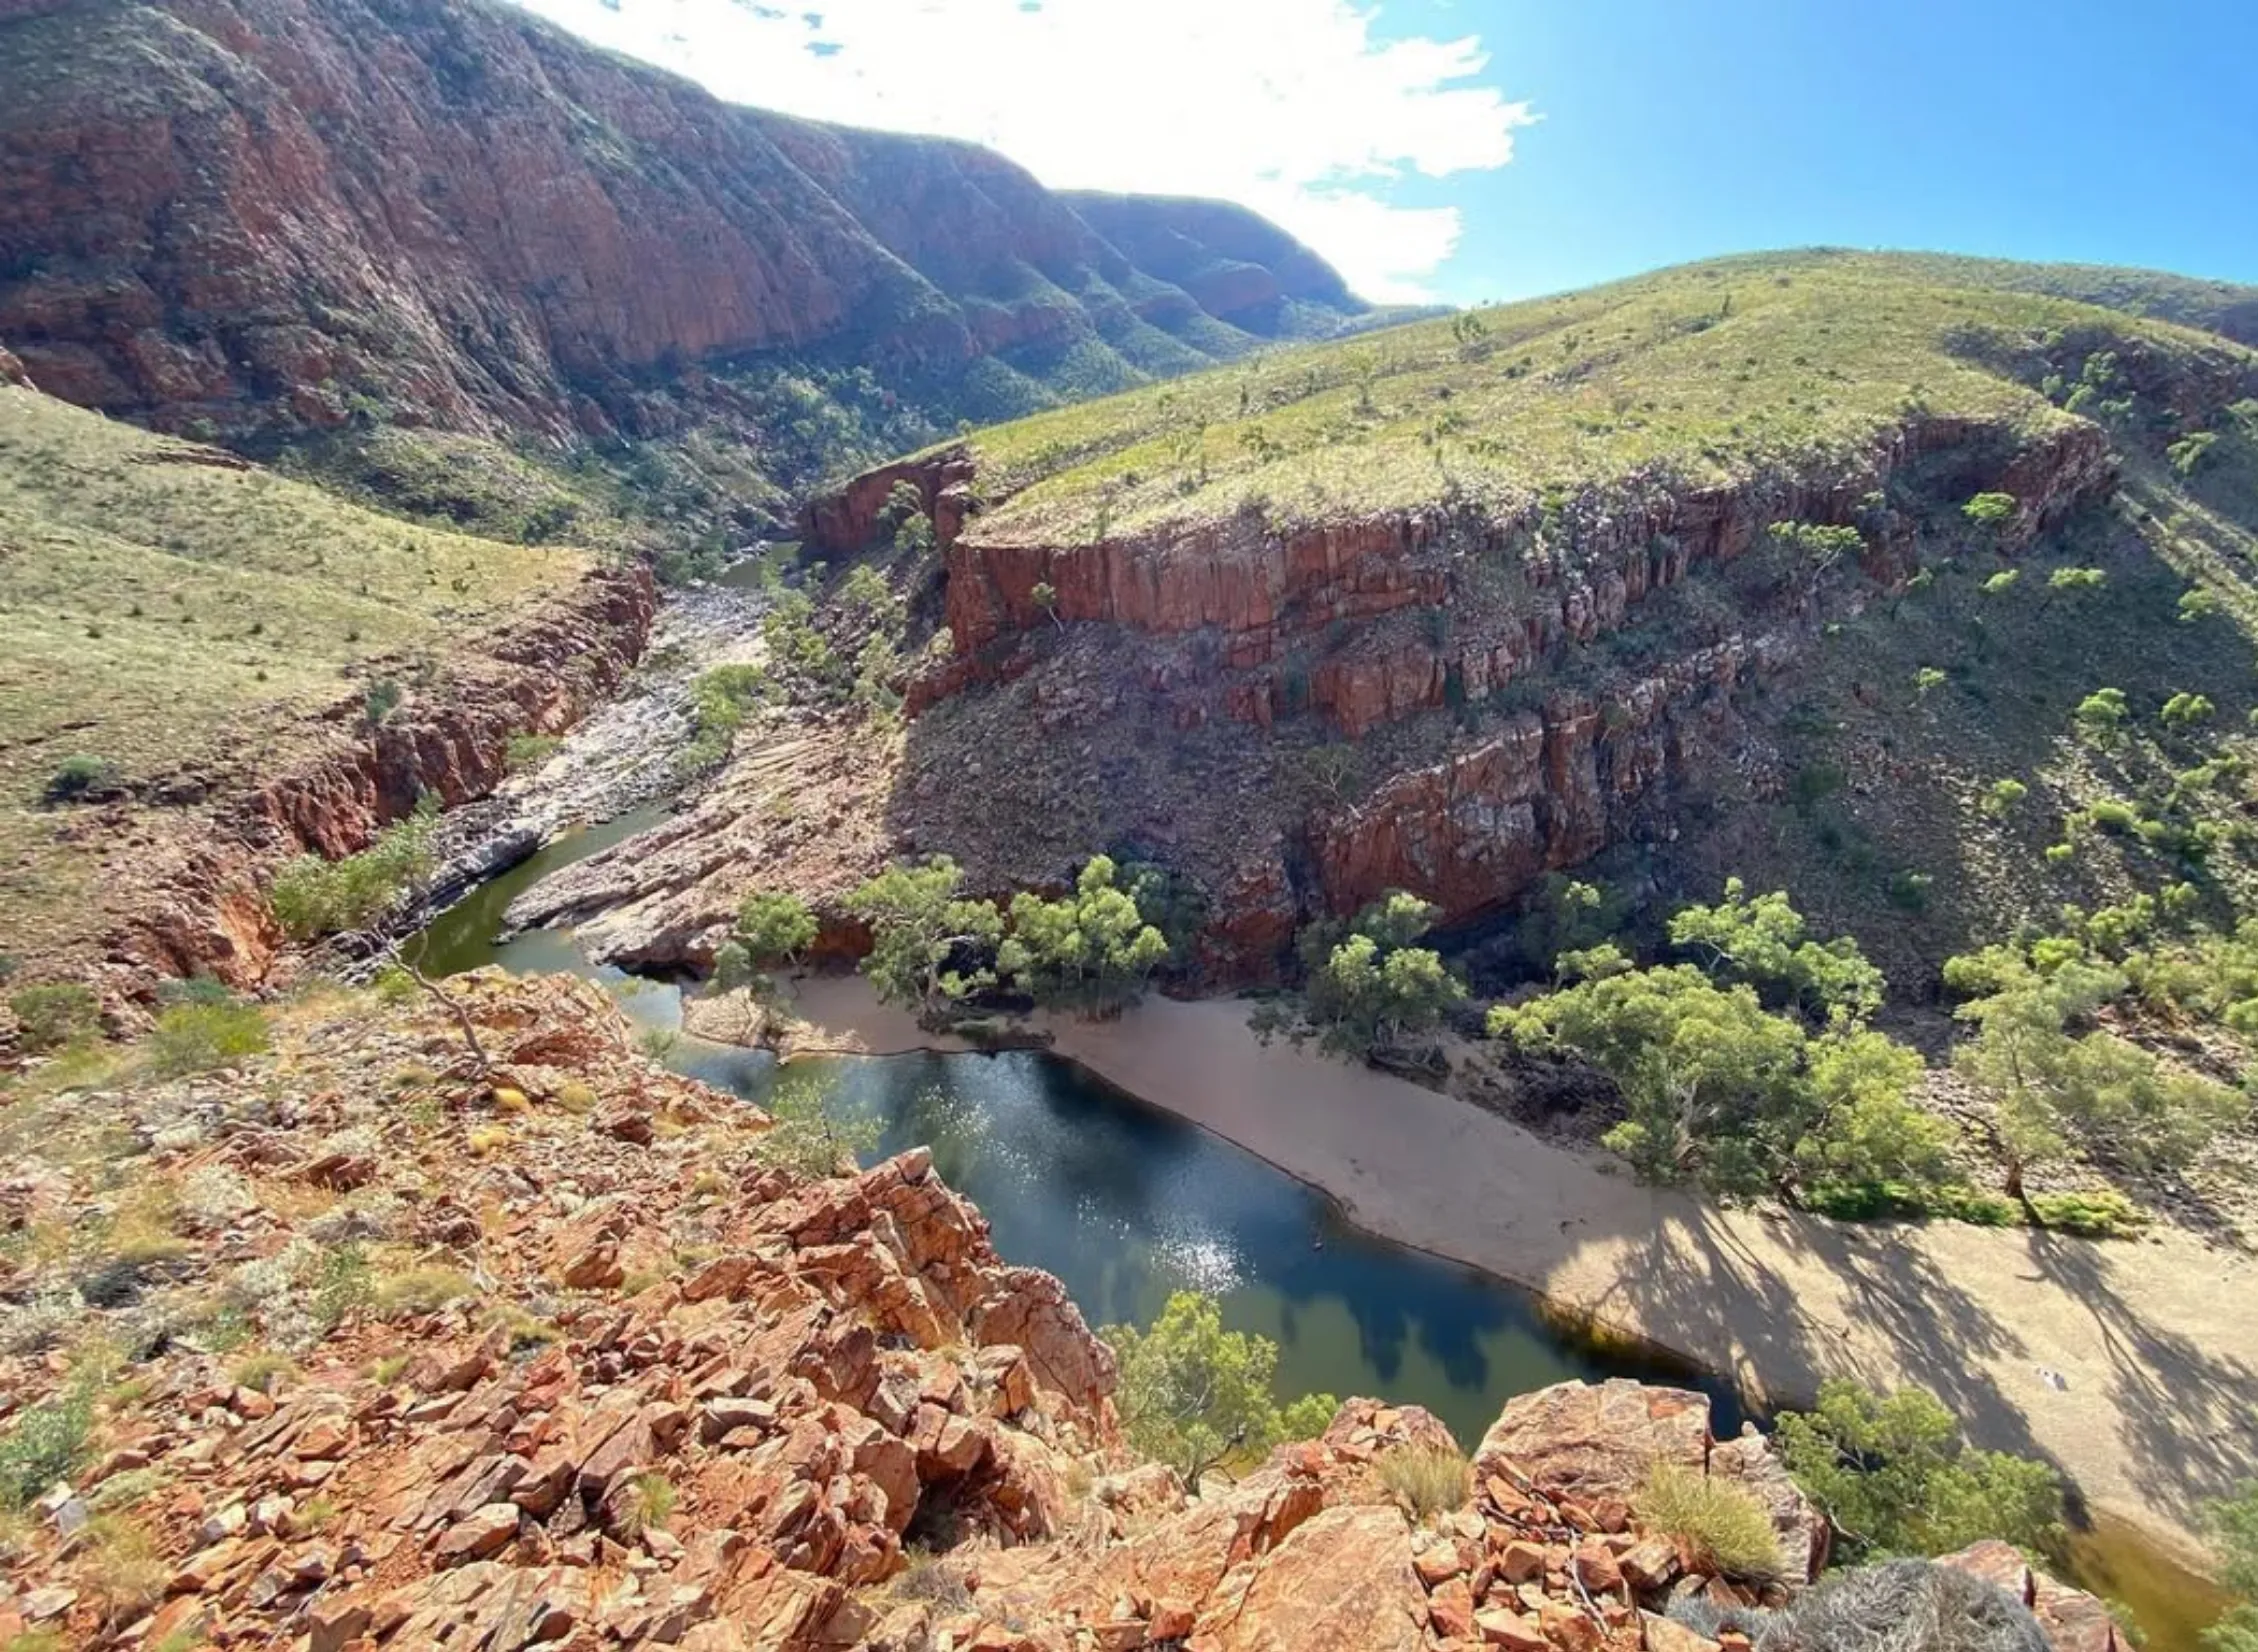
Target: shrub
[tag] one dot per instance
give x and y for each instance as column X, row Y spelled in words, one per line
column 2184, row 710
column 1195, row 1395
column 195, row 1038
column 122, row 1566
column 1990, row 511
column 648, row 1505
column 1718, row 1526
column 1893, row 1474
column 1431, row 1480
column 54, row 1014
column 381, row 700
column 2234, row 1529
column 313, row 897
column 421, row 1291
column 805, row 1135
column 2107, row 1215
column 45, row 1445
column 2001, row 796
column 79, row 777
column 527, row 752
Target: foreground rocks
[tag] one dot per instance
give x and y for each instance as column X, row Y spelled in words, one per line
column 377, row 1352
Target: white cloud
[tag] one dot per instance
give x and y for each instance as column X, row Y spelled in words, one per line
column 1294, row 107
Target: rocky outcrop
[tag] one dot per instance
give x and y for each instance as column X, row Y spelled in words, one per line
column 198, row 908
column 268, row 214
column 1287, row 611
column 556, row 1351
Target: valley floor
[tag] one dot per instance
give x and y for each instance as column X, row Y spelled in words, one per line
column 2131, row 1364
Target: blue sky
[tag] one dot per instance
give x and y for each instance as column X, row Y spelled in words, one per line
column 2107, row 133
column 1473, row 149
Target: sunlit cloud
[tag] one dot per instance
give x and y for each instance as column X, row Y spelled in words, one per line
column 1297, row 108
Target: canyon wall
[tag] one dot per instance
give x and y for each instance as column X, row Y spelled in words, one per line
column 1518, row 695
column 201, row 907
column 274, row 215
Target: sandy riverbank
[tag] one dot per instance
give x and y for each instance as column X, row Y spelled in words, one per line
column 2134, row 1365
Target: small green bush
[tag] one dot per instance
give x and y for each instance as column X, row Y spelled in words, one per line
column 527, row 752
column 54, row 1013
column 79, row 777
column 45, row 1445
column 313, row 897
column 1720, row 1526
column 1431, row 1480
column 2088, row 1215
column 196, row 1038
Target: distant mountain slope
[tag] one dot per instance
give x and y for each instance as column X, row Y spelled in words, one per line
column 279, row 215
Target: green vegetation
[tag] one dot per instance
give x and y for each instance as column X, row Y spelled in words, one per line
column 1371, row 989
column 1430, row 1481
column 720, row 701
column 774, row 927
column 313, row 897
column 1895, row 1477
column 1090, row 951
column 165, row 611
column 2061, row 1080
column 1725, row 1091
column 2234, row 1530
column 930, row 948
column 197, row 1037
column 1198, row 1397
column 53, row 1014
column 934, row 951
column 1717, row 1524
column 1708, row 375
column 527, row 752
column 807, row 1133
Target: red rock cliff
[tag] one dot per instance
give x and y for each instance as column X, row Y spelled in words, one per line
column 261, row 212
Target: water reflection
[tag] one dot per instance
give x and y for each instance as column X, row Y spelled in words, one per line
column 1127, row 1203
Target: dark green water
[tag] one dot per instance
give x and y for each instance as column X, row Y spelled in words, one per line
column 463, row 936
column 1125, row 1202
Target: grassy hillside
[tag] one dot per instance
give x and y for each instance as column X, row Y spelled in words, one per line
column 176, row 619
column 1692, row 377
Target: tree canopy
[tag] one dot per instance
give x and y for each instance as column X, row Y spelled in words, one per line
column 930, row 947
column 1372, row 988
column 1091, row 951
column 1893, row 1474
column 1197, row 1397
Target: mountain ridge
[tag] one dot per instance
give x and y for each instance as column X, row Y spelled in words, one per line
column 282, row 216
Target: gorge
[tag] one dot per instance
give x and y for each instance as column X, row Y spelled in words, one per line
column 1584, row 869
